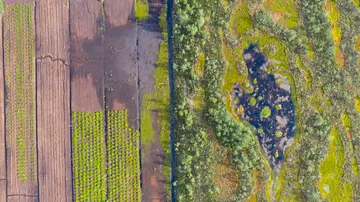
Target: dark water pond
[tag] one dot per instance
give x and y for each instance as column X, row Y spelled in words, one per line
column 269, row 108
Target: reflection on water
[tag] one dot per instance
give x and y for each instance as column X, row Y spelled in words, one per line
column 269, row 107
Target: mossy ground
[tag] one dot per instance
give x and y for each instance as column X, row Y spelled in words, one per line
column 331, row 183
column 307, row 73
column 283, row 11
column 356, row 3
column 158, row 101
column 141, row 9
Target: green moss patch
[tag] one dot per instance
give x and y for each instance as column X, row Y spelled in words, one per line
column 331, row 184
column 283, row 11
column 141, row 9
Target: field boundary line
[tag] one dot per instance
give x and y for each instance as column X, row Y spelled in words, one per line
column 4, row 101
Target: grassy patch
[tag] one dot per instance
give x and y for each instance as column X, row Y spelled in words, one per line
column 240, row 21
column 147, row 132
column 307, row 73
column 331, row 171
column 1, row 7
column 283, row 11
column 357, row 104
column 356, row 3
column 161, row 94
column 141, row 9
column 200, row 65
column 357, row 44
column 345, row 118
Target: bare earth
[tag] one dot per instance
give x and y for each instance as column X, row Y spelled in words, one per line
column 53, row 101
column 86, row 52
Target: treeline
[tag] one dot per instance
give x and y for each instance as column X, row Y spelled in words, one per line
column 189, row 20
column 265, row 22
column 316, row 132
column 193, row 156
column 318, row 29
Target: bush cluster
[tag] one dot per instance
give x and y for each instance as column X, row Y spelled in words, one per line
column 265, row 22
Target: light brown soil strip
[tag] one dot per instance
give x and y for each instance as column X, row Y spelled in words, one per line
column 22, row 198
column 86, row 53
column 20, row 107
column 53, row 101
column 3, row 190
column 2, row 126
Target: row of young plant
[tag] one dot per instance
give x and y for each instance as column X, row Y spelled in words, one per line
column 123, row 165
column 89, row 156
column 106, row 168
column 20, row 85
column 193, row 162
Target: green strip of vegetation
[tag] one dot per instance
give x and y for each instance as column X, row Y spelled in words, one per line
column 331, row 170
column 193, row 158
column 158, row 102
column 89, row 156
column 20, row 84
column 105, row 171
column 141, row 9
column 123, row 165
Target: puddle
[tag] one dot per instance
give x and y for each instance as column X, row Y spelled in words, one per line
column 269, row 108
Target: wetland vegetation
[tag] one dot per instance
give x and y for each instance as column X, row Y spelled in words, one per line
column 280, row 86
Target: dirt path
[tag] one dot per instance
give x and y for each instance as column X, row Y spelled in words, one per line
column 53, row 101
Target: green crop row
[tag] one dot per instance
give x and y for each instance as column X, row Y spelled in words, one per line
column 20, row 84
column 123, row 166
column 106, row 168
column 89, row 156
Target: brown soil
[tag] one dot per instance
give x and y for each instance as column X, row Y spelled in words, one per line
column 153, row 180
column 118, row 14
column 14, row 198
column 86, row 50
column 121, row 70
column 53, row 101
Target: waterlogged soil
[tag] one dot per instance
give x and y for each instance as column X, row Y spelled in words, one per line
column 276, row 131
column 153, row 155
